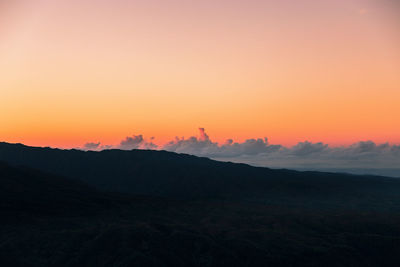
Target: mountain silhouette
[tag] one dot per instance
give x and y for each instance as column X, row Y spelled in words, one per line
column 167, row 174
column 155, row 208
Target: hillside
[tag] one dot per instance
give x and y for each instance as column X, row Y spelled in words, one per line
column 48, row 220
column 166, row 174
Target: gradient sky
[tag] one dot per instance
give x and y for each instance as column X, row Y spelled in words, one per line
column 77, row 71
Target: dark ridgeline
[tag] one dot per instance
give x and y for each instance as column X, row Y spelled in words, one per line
column 75, row 208
column 168, row 174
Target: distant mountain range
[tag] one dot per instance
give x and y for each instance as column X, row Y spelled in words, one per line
column 156, row 208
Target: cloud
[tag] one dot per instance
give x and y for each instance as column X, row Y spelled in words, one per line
column 203, row 146
column 133, row 142
column 136, row 142
column 106, row 147
column 193, row 145
column 91, row 146
column 129, row 143
column 307, row 148
column 203, row 135
column 360, row 157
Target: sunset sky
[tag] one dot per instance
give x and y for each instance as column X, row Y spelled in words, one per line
column 77, row 71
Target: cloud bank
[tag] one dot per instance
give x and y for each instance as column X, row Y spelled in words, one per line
column 361, row 157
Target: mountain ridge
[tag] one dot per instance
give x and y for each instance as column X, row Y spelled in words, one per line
column 168, row 174
column 283, row 218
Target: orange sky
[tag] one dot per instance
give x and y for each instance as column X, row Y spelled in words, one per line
column 78, row 71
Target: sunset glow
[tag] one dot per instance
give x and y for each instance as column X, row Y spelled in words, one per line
column 80, row 71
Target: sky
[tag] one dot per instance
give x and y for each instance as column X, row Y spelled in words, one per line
column 73, row 72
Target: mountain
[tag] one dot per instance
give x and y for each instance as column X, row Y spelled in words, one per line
column 167, row 174
column 31, row 192
column 49, row 220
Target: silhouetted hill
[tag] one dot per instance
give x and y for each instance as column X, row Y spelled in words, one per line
column 29, row 191
column 48, row 220
column 161, row 173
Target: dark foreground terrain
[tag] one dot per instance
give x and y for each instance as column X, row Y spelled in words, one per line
column 149, row 208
